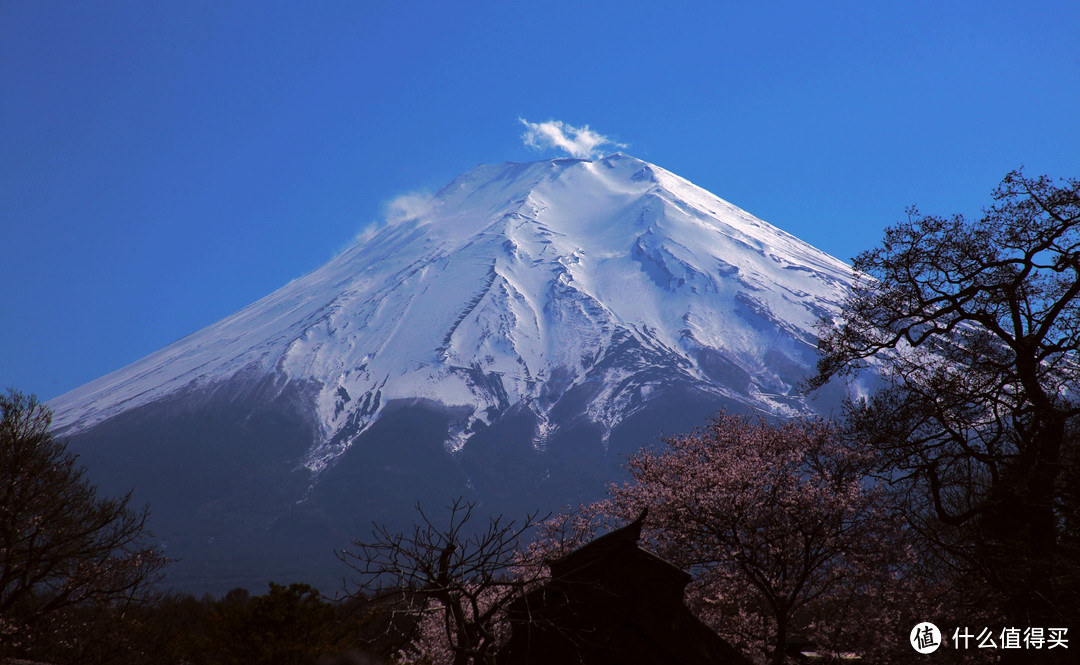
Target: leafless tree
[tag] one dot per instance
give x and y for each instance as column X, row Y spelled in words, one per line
column 453, row 579
column 977, row 326
column 62, row 547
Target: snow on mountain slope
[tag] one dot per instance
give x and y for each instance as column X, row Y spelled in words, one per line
column 516, row 284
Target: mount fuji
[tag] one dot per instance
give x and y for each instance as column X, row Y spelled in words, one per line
column 510, row 339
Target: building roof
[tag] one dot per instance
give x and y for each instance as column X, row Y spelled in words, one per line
column 610, row 602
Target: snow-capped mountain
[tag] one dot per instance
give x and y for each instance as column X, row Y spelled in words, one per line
column 560, row 295
column 516, row 283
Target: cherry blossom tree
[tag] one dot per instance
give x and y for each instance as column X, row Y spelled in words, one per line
column 780, row 527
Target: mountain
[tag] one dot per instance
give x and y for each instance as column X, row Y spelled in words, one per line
column 510, row 339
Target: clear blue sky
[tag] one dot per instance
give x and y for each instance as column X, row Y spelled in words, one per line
column 163, row 164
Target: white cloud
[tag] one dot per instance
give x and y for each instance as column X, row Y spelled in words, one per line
column 408, row 206
column 399, row 209
column 580, row 142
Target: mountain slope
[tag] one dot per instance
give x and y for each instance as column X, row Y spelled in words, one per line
column 525, row 312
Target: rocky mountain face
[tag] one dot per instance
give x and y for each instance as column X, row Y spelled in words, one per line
column 510, row 338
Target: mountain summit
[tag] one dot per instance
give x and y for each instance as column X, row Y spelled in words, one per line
column 546, row 308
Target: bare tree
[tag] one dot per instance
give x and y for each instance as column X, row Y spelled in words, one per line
column 62, row 547
column 456, row 581
column 977, row 325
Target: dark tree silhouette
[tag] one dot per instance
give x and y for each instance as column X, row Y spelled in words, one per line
column 289, row 625
column 62, row 547
column 976, row 324
column 454, row 579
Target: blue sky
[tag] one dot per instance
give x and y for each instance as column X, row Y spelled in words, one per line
column 163, row 164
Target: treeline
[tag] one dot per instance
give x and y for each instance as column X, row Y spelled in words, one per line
column 287, row 625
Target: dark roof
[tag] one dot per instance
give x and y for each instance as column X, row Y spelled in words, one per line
column 620, row 542
column 611, row 602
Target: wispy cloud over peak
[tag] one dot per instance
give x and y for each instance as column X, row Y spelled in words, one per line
column 580, row 142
